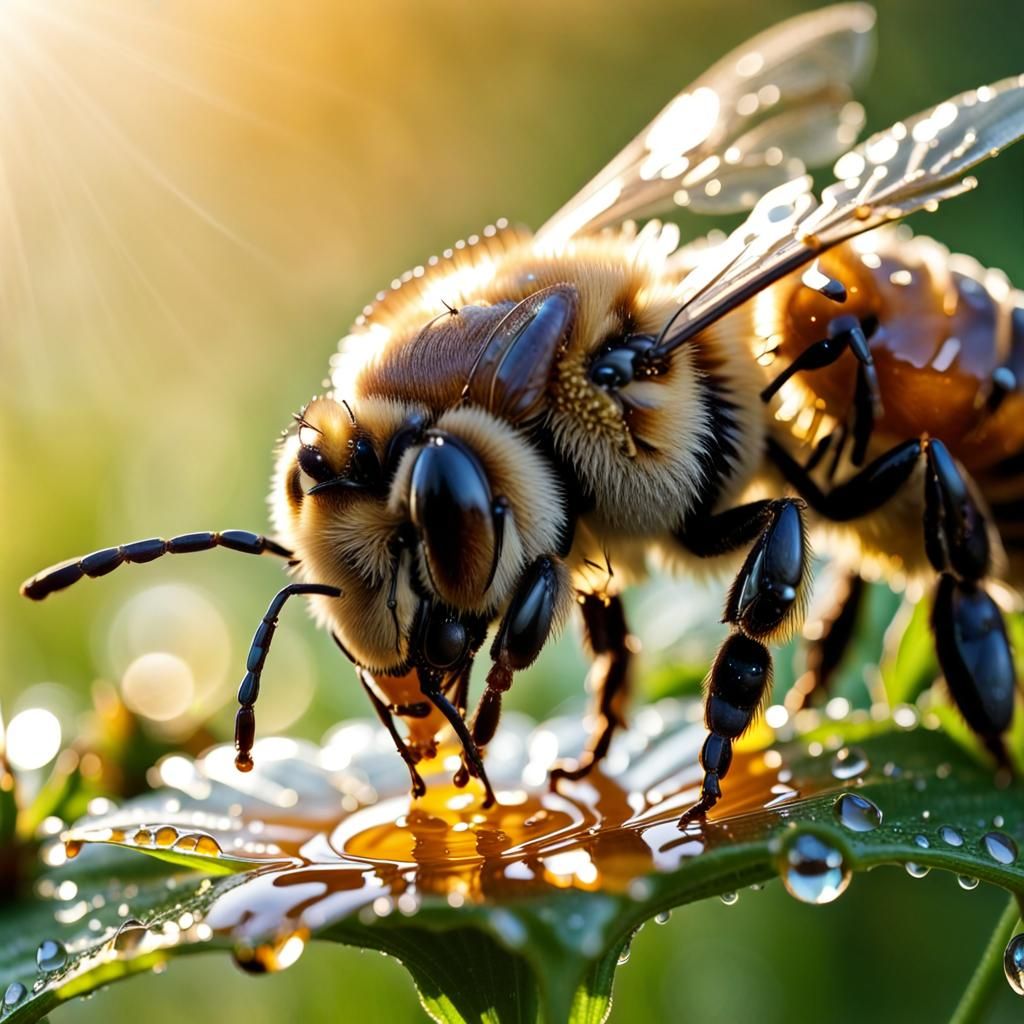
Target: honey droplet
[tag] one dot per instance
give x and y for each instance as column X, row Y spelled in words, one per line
column 271, row 957
column 166, row 836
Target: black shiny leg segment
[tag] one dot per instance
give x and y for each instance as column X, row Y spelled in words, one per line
column 524, row 630
column 99, row 563
column 430, row 684
column 740, row 678
column 762, row 601
column 971, row 640
column 863, row 493
column 249, row 690
column 976, row 658
column 385, row 713
column 604, row 624
column 844, row 332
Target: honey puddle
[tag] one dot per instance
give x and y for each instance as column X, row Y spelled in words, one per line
column 328, row 833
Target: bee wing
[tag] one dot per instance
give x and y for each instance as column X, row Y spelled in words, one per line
column 746, row 125
column 915, row 164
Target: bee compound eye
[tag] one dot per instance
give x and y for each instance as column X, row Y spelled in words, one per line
column 613, row 369
column 313, row 464
column 365, row 466
column 445, row 642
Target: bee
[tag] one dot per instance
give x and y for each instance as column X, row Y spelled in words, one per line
column 523, row 425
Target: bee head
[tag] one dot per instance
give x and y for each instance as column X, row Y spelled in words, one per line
column 415, row 518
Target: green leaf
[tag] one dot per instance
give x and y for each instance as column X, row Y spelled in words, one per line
column 910, row 666
column 516, row 914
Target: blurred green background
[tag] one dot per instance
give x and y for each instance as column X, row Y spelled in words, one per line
column 196, row 198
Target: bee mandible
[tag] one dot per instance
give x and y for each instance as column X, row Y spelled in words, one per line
column 521, row 426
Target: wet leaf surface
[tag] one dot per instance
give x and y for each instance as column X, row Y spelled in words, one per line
column 519, row 911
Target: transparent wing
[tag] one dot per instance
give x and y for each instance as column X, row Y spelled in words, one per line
column 915, row 164
column 748, row 124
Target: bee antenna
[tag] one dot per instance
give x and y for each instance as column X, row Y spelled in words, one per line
column 452, row 310
column 668, row 326
column 351, row 415
column 300, row 418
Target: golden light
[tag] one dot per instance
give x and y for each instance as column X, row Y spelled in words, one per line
column 185, row 624
column 158, row 686
column 33, row 739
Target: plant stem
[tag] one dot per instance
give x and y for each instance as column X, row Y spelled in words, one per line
column 989, row 971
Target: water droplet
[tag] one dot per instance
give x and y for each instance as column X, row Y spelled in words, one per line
column 1000, row 847
column 269, row 958
column 950, row 836
column 812, row 870
column 639, row 889
column 625, row 951
column 729, row 898
column 1013, row 963
column 51, row 955
column 13, row 995
column 129, row 936
column 966, row 882
column 922, row 841
column 663, row 917
column 72, row 848
column 857, row 813
column 998, row 821
column 916, row 870
column 849, row 762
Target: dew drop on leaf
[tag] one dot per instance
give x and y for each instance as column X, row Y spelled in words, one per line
column 916, row 870
column 950, row 836
column 729, row 898
column 663, row 917
column 14, row 994
column 922, row 842
column 1000, row 847
column 966, row 882
column 812, row 870
column 51, row 955
column 857, row 813
column 1013, row 963
column 625, row 951
column 849, row 762
column 129, row 936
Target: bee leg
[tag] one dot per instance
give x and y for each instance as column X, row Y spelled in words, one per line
column 430, row 684
column 249, row 690
column 739, row 680
column 825, row 654
column 970, row 635
column 764, row 603
column 976, row 659
column 524, row 630
column 862, row 493
column 99, row 563
column 608, row 636
column 844, row 332
column 385, row 713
